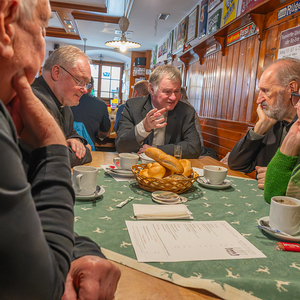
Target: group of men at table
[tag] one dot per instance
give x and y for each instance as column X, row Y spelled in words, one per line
column 41, row 256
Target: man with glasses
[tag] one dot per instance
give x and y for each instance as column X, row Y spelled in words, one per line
column 159, row 119
column 276, row 115
column 65, row 78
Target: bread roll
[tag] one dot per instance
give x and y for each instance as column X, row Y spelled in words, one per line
column 157, row 171
column 144, row 172
column 187, row 167
column 164, row 159
column 168, row 172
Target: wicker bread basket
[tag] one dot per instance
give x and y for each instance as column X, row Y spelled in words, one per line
column 154, row 184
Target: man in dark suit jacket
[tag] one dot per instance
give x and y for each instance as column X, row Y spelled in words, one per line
column 159, row 119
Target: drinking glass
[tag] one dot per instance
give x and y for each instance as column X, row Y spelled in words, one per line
column 178, row 151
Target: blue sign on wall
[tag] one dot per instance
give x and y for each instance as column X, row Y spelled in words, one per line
column 288, row 10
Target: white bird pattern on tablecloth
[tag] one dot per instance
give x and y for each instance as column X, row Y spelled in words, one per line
column 263, row 270
column 206, row 204
column 228, row 205
column 230, row 213
column 116, row 200
column 208, row 213
column 295, row 265
column 98, row 230
column 76, row 218
column 86, row 208
column 235, row 222
column 252, row 211
column 279, row 286
column 231, row 275
column 110, row 209
column 105, row 218
column 246, row 234
column 248, row 204
column 124, row 245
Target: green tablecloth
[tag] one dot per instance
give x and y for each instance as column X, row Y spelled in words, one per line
column 274, row 277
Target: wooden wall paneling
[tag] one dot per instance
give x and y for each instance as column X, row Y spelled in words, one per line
column 215, row 85
column 221, row 85
column 202, row 96
column 197, row 86
column 227, row 71
column 253, row 79
column 206, row 86
column 246, row 79
column 239, row 81
column 210, row 85
column 217, row 97
column 235, row 63
column 206, row 77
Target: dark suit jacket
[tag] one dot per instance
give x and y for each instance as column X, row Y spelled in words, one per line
column 180, row 128
column 63, row 116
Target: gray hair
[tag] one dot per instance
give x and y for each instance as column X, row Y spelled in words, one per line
column 65, row 56
column 156, row 76
column 287, row 70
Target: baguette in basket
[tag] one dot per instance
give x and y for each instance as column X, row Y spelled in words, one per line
column 166, row 166
column 165, row 160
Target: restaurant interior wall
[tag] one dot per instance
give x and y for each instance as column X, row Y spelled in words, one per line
column 223, row 89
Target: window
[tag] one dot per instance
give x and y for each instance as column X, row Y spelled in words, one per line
column 107, row 80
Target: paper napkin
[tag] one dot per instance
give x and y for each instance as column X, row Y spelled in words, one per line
column 161, row 212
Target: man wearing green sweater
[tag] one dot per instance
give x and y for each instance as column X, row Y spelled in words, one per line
column 283, row 172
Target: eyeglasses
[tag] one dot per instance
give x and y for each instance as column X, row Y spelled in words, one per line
column 80, row 83
column 295, row 98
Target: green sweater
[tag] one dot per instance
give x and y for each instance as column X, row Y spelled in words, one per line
column 282, row 177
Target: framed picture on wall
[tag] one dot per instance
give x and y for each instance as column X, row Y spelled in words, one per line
column 181, row 34
column 192, row 24
column 174, row 46
column 203, row 19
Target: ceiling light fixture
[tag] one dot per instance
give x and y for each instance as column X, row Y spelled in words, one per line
column 123, row 44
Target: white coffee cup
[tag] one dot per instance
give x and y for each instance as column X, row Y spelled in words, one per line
column 85, row 180
column 285, row 214
column 126, row 160
column 215, row 174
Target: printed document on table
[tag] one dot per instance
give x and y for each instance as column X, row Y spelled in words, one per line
column 168, row 241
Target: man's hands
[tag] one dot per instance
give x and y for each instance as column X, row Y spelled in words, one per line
column 143, row 148
column 291, row 143
column 77, row 147
column 261, row 174
column 151, row 120
column 35, row 125
column 264, row 122
column 91, row 278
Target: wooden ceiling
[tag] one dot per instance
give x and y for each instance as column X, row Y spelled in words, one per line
column 68, row 13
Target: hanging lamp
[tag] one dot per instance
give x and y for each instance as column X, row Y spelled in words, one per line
column 123, row 44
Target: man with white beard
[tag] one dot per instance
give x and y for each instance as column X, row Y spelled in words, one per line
column 275, row 117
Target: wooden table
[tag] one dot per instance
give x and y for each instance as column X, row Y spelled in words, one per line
column 135, row 285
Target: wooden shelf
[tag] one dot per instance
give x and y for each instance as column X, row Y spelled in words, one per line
column 256, row 14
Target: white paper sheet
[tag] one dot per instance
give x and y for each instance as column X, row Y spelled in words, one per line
column 169, row 241
column 161, row 212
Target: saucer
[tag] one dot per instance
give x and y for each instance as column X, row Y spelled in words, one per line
column 290, row 238
column 100, row 191
column 179, row 201
column 120, row 173
column 225, row 184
